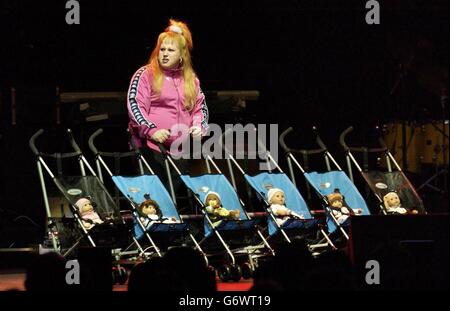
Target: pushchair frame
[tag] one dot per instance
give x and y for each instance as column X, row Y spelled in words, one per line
column 233, row 269
column 390, row 163
column 141, row 162
column 291, row 160
column 268, row 156
column 83, row 164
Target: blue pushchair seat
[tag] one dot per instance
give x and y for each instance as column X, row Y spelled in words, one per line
column 136, row 187
column 166, row 228
column 299, row 221
column 201, row 185
column 227, row 221
column 236, row 236
column 325, row 183
column 294, row 201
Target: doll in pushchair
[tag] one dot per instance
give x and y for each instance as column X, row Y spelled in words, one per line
column 393, row 205
column 150, row 212
column 89, row 216
column 216, row 211
column 339, row 208
column 276, row 199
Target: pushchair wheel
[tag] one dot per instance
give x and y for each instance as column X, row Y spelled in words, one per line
column 236, row 273
column 120, row 275
column 224, row 273
column 123, row 275
column 246, row 270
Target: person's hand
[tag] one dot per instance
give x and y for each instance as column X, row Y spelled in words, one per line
column 195, row 131
column 161, row 136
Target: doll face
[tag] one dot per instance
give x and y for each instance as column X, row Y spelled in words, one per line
column 169, row 54
column 87, row 207
column 149, row 209
column 213, row 201
column 337, row 203
column 278, row 198
column 393, row 200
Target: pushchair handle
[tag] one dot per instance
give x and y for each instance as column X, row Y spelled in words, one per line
column 382, row 143
column 360, row 149
column 319, row 140
column 32, row 142
column 282, row 142
column 380, row 139
column 72, row 142
column 302, row 151
column 107, row 154
column 133, row 144
column 91, row 140
column 162, row 148
column 342, row 137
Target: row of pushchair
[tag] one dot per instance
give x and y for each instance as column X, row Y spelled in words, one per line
column 152, row 223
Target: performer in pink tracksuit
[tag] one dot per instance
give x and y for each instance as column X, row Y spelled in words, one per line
column 165, row 102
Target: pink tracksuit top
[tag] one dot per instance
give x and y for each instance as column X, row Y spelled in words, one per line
column 150, row 112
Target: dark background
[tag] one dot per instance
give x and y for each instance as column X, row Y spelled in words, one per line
column 313, row 62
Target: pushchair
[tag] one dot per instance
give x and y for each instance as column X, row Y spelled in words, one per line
column 96, row 222
column 392, row 189
column 238, row 236
column 300, row 222
column 166, row 228
column 326, row 183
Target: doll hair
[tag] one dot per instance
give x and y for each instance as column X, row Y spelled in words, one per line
column 178, row 32
column 147, row 202
column 335, row 196
column 213, row 195
column 387, row 196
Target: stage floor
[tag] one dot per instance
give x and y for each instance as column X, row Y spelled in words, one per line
column 14, row 280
